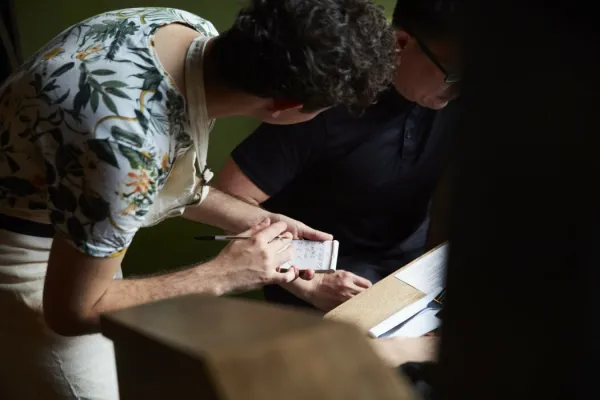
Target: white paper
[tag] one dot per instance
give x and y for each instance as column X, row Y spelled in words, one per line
column 399, row 317
column 427, row 273
column 319, row 256
column 420, row 325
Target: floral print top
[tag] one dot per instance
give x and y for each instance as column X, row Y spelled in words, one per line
column 90, row 127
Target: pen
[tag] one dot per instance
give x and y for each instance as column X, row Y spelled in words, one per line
column 225, row 237
column 440, row 297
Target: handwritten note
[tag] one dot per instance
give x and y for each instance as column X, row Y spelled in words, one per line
column 428, row 272
column 319, row 256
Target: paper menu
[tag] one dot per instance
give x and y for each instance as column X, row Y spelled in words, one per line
column 389, row 324
column 425, row 322
column 385, row 308
column 427, row 273
column 318, row 256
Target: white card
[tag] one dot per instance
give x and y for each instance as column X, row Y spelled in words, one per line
column 427, row 273
column 318, row 256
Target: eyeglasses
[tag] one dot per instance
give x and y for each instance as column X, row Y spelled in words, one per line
column 449, row 77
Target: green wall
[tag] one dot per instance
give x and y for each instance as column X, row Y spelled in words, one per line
column 170, row 244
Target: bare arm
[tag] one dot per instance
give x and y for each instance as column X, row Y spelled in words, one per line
column 325, row 291
column 226, row 212
column 77, row 291
column 233, row 181
column 232, row 203
column 79, row 288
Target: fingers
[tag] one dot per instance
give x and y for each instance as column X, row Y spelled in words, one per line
column 362, row 282
column 256, row 228
column 353, row 289
column 307, row 274
column 309, row 233
column 284, row 255
column 280, row 242
column 286, row 277
column 354, row 283
column 268, row 233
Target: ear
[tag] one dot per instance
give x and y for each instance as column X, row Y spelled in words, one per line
column 402, row 38
column 279, row 106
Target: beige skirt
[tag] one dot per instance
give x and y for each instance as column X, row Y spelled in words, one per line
column 36, row 363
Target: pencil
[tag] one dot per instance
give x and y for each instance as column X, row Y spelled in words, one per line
column 225, row 237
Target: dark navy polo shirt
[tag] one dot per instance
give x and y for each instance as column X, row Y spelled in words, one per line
column 367, row 179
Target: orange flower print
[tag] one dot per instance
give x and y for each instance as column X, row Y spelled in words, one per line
column 83, row 54
column 53, row 53
column 130, row 209
column 140, row 182
column 164, row 162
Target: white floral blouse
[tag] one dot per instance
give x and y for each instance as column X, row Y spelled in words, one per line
column 90, row 127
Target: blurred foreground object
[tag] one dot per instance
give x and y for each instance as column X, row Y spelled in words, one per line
column 223, row 348
column 521, row 314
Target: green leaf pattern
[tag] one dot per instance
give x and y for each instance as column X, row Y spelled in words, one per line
column 90, row 127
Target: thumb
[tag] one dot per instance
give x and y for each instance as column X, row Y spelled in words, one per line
column 256, row 228
column 286, row 277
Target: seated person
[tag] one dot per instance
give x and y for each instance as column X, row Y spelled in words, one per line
column 368, row 180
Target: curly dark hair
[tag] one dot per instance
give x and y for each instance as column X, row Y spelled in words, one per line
column 318, row 53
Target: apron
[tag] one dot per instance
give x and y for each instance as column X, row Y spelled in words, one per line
column 187, row 184
column 36, row 363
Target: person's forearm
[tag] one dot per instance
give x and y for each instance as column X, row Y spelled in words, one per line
column 226, row 212
column 301, row 288
column 123, row 293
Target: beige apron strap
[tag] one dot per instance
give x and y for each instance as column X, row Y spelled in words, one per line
column 200, row 124
column 187, row 184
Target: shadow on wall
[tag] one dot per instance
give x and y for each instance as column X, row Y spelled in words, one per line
column 169, row 245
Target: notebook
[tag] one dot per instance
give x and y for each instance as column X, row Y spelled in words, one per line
column 401, row 303
column 318, row 256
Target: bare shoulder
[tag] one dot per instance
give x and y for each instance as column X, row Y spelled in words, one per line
column 171, row 43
